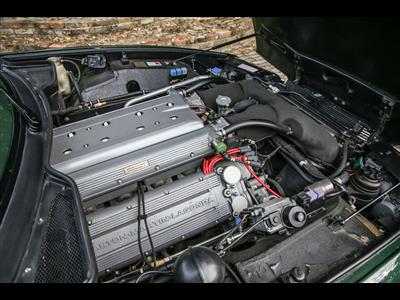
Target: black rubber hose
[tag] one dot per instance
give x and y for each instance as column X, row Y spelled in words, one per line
column 205, row 82
column 78, row 70
column 298, row 169
column 124, row 96
column 268, row 124
column 277, row 186
column 343, row 161
column 154, row 272
column 313, row 172
column 76, row 85
column 337, row 172
column 231, row 272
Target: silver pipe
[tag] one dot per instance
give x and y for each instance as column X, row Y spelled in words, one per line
column 200, row 244
column 166, row 89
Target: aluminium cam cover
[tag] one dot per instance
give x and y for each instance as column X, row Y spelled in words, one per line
column 106, row 153
column 174, row 211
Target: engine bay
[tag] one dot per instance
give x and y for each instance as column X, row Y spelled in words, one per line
column 213, row 170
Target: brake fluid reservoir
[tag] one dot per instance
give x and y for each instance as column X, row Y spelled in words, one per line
column 64, row 86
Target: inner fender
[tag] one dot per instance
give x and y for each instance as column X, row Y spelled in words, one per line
column 310, row 136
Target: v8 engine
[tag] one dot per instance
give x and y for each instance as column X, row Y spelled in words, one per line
column 106, row 154
column 219, row 168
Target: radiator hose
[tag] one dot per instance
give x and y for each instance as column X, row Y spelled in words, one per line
column 263, row 123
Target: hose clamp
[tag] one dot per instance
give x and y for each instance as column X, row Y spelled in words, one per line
column 222, row 132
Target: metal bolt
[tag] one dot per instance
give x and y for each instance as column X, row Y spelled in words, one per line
column 227, row 193
column 157, row 168
column 300, row 216
column 27, row 270
column 220, row 170
column 129, row 207
column 166, row 192
column 201, row 179
column 89, row 222
column 40, row 221
column 183, row 237
column 191, row 154
column 119, row 181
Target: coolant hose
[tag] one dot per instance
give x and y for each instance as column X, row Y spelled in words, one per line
column 298, row 169
column 277, row 186
column 263, row 123
column 165, row 89
column 343, row 161
column 203, row 83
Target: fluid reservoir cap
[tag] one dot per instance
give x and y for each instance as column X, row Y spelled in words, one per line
column 216, row 71
column 231, row 175
column 224, row 101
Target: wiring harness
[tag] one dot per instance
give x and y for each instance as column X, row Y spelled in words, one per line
column 235, row 154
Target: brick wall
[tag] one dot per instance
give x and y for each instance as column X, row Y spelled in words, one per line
column 193, row 32
column 34, row 33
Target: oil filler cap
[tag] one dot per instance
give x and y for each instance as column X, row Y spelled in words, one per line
column 223, row 101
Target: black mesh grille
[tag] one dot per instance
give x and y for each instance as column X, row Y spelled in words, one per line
column 332, row 115
column 61, row 256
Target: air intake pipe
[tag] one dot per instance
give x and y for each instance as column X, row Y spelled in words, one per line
column 313, row 138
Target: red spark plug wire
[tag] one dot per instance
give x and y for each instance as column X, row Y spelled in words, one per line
column 208, row 167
